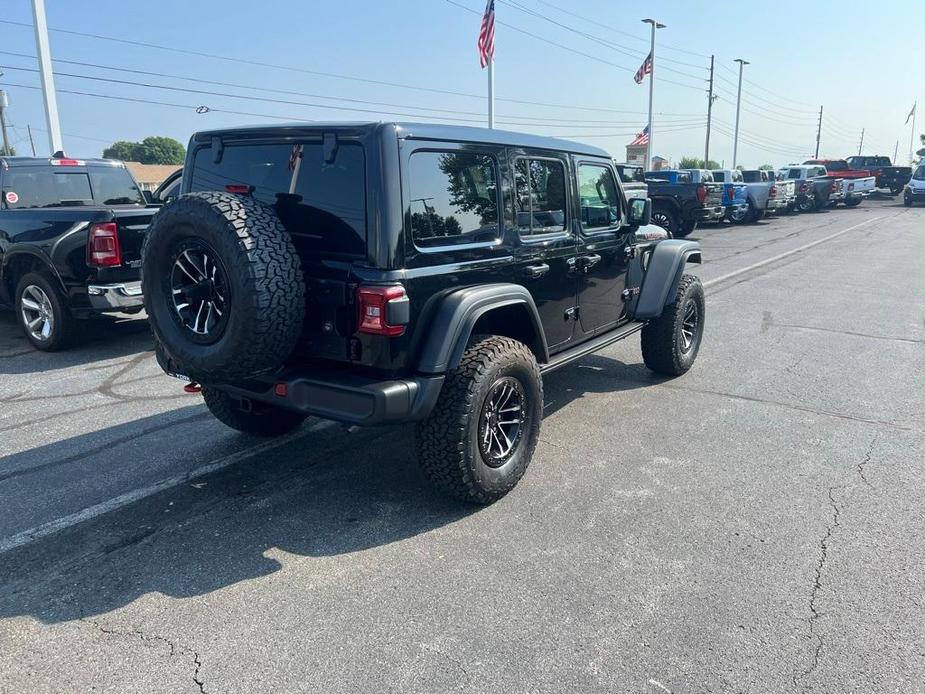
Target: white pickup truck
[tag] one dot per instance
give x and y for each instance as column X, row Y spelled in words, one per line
column 767, row 194
column 858, row 183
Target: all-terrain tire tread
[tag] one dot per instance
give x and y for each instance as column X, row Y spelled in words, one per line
column 442, row 444
column 274, row 308
column 660, row 350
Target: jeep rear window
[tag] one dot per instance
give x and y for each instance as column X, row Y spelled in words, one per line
column 454, row 198
column 37, row 186
column 328, row 209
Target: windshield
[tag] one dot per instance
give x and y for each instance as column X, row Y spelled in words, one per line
column 919, row 174
column 794, row 174
column 37, row 187
column 837, row 166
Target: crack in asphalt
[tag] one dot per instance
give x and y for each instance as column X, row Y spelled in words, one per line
column 450, row 659
column 142, row 636
column 846, row 332
column 792, row 406
column 815, row 614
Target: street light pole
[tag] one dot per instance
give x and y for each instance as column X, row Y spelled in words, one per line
column 655, row 25
column 47, row 75
column 735, row 142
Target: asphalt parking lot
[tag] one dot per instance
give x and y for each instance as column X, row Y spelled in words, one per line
column 753, row 526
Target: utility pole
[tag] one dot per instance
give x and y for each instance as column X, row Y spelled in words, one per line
column 47, row 75
column 655, row 25
column 4, row 103
column 895, row 152
column 710, row 100
column 735, row 142
column 818, row 133
column 861, row 145
column 31, row 141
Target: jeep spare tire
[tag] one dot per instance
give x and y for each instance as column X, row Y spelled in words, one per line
column 223, row 286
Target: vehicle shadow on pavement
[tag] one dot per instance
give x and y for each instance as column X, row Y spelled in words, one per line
column 326, row 493
column 98, row 339
column 594, row 374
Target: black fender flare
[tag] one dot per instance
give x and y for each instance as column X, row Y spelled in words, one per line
column 662, row 275
column 455, row 317
column 34, row 253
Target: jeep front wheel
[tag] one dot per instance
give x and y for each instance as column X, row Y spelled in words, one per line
column 670, row 342
column 480, row 437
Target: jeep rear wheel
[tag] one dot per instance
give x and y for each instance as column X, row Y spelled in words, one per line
column 480, row 437
column 250, row 416
column 223, row 286
column 670, row 342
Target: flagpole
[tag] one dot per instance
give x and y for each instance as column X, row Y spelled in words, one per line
column 655, row 25
column 912, row 133
column 491, row 92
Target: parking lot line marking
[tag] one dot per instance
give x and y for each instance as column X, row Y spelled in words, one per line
column 52, row 527
column 786, row 254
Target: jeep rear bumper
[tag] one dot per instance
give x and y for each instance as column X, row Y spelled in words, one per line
column 343, row 397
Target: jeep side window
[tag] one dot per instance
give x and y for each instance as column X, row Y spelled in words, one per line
column 600, row 202
column 539, row 196
column 454, row 198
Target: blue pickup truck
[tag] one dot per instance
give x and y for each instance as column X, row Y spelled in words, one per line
column 679, row 204
column 735, row 193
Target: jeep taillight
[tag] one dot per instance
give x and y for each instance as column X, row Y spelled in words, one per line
column 103, row 245
column 701, row 193
column 772, row 193
column 382, row 310
column 730, row 192
column 804, row 187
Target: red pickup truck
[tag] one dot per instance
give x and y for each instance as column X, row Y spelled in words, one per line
column 839, row 168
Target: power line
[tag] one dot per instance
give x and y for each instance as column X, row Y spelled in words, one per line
column 331, row 75
column 598, row 23
column 619, row 48
column 567, row 48
column 571, row 121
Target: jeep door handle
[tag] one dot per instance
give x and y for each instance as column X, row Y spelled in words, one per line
column 589, row 261
column 536, row 271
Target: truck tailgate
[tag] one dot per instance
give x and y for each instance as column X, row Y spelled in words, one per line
column 133, row 226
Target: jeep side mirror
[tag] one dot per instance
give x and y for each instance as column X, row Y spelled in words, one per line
column 640, row 212
column 148, row 196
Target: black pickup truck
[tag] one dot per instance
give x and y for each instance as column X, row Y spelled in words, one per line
column 71, row 232
column 889, row 177
column 679, row 204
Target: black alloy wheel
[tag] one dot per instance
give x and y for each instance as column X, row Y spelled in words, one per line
column 199, row 290
column 501, row 422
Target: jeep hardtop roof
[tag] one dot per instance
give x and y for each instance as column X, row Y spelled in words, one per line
column 423, row 131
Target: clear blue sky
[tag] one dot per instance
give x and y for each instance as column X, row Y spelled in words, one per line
column 863, row 61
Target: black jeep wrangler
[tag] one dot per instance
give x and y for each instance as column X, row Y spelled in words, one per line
column 385, row 272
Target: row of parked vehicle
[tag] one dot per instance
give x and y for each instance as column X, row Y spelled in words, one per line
column 684, row 198
column 385, row 272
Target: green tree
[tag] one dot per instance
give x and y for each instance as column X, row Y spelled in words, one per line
column 126, row 151
column 151, row 150
column 766, row 167
column 9, row 151
column 695, row 163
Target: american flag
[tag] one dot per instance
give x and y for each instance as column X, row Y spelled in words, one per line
column 487, row 35
column 644, row 69
column 641, row 138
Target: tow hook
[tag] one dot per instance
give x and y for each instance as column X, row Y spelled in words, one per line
column 192, row 387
